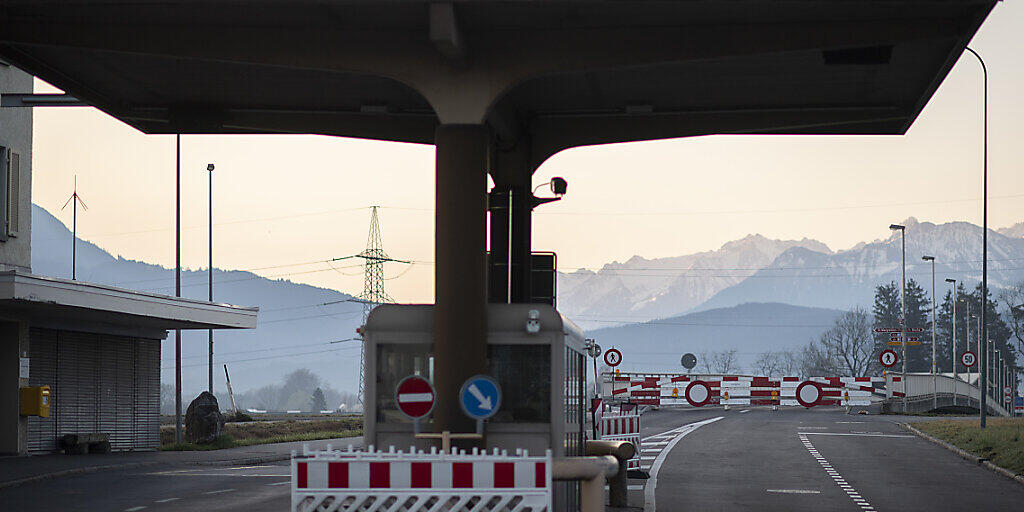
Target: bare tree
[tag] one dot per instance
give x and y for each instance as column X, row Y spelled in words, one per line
column 768, row 364
column 789, row 363
column 725, row 362
column 847, row 348
column 1013, row 298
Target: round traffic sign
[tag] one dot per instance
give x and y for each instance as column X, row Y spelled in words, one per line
column 808, row 393
column 480, row 397
column 968, row 358
column 612, row 357
column 698, row 393
column 1006, row 398
column 688, row 361
column 888, row 357
column 415, row 396
column 1006, row 389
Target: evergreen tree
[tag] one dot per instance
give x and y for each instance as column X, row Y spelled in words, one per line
column 319, row 402
column 886, row 312
column 998, row 331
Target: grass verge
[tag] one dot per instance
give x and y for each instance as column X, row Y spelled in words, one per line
column 1001, row 442
column 266, row 432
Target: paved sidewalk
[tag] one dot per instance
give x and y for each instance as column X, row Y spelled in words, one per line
column 20, row 470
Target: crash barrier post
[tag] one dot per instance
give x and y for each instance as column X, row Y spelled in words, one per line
column 623, row 451
column 593, row 471
column 418, row 481
column 622, row 427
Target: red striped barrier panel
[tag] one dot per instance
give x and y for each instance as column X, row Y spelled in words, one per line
column 419, row 481
column 622, row 427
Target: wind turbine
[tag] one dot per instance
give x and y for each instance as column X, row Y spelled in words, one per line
column 75, row 200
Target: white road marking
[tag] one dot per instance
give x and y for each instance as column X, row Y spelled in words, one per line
column 133, row 509
column 167, row 500
column 652, row 482
column 836, row 477
column 218, row 492
column 281, row 483
column 793, row 491
column 744, row 410
column 864, row 434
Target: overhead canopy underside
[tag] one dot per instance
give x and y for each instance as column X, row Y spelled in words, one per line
column 564, row 73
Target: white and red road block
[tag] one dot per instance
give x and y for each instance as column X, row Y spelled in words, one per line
column 698, row 391
column 419, row 481
column 622, row 427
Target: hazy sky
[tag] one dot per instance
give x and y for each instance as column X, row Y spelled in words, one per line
column 282, row 203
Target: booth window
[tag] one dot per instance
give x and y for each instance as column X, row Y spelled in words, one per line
column 524, row 374
column 394, row 363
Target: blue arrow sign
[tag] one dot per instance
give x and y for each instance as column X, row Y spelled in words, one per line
column 480, row 397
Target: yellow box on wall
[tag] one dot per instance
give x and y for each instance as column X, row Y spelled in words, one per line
column 35, row 401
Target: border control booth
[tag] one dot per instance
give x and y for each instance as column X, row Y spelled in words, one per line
column 542, row 377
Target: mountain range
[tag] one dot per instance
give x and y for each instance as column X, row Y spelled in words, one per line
column 752, row 294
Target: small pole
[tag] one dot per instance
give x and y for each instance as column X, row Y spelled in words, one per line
column 177, row 289
column 210, row 268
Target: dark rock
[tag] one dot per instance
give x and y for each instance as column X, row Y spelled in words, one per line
column 203, row 420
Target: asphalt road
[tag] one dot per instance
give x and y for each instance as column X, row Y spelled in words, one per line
column 702, row 460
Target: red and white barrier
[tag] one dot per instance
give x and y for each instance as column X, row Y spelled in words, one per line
column 622, row 427
column 698, row 391
column 419, row 481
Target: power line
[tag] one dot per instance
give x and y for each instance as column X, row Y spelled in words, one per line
column 271, row 357
column 290, row 347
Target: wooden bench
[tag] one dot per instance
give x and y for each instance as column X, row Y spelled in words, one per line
column 81, row 444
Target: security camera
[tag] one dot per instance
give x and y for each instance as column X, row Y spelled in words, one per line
column 209, row 167
column 559, row 186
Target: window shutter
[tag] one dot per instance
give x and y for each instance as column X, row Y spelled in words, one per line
column 14, row 195
column 5, row 191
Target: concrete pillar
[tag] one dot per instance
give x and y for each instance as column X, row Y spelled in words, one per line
column 460, row 285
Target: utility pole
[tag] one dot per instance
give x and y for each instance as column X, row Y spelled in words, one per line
column 935, row 393
column 209, row 167
column 75, row 200
column 952, row 358
column 177, row 287
column 903, row 309
column 984, row 222
column 373, row 284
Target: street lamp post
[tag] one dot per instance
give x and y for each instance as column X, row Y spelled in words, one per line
column 177, row 287
column 952, row 354
column 903, row 308
column 935, row 393
column 984, row 220
column 209, row 167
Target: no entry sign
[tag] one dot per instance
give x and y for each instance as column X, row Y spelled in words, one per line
column 888, row 358
column 612, row 357
column 968, row 358
column 808, row 393
column 698, row 393
column 415, row 397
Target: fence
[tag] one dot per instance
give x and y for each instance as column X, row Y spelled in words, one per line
column 417, row 481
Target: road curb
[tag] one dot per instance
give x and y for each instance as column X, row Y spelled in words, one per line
column 249, row 460
column 966, row 455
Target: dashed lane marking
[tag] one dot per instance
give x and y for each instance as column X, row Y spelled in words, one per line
column 166, row 500
column 836, row 477
column 133, row 509
column 218, row 492
column 744, row 410
column 652, row 482
column 281, row 483
column 854, row 434
column 793, row 491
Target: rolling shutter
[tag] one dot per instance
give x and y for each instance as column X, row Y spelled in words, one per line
column 42, row 432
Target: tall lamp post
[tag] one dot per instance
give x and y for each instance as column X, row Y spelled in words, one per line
column 903, row 308
column 935, row 393
column 984, row 222
column 177, row 287
column 209, row 167
column 952, row 353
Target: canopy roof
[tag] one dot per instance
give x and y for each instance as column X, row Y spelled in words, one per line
column 564, row 73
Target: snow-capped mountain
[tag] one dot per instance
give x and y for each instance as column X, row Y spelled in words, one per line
column 641, row 289
column 847, row 278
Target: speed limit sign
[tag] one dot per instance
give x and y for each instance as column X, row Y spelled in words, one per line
column 888, row 357
column 968, row 358
column 612, row 357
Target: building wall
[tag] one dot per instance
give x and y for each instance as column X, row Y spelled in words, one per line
column 16, row 133
column 99, row 383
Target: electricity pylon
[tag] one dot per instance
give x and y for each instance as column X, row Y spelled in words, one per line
column 373, row 283
column 75, row 200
